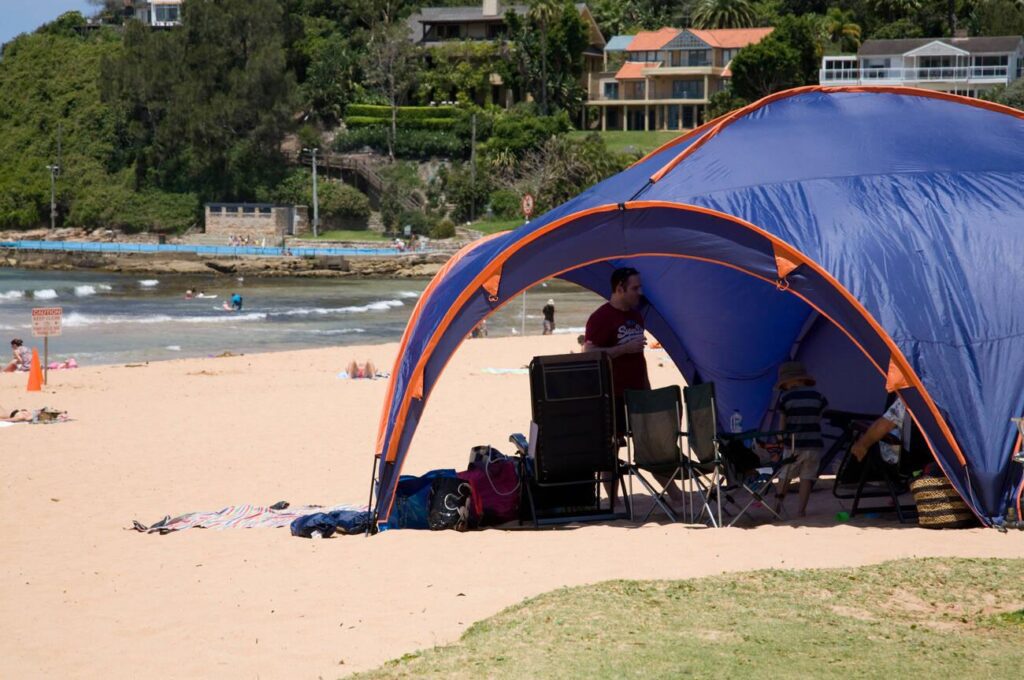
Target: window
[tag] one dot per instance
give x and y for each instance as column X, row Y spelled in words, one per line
column 677, row 57
column 728, row 54
column 687, row 89
column 166, row 13
column 611, row 90
column 698, row 57
column 992, row 60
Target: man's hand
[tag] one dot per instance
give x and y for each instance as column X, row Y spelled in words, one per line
column 859, row 450
column 635, row 345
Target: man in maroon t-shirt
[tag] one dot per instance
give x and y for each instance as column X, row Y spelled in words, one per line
column 617, row 329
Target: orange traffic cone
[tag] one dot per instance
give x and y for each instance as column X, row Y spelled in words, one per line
column 35, row 373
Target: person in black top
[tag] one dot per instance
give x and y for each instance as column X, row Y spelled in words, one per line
column 549, row 317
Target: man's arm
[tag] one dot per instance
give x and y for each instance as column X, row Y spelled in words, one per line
column 634, row 345
column 874, row 434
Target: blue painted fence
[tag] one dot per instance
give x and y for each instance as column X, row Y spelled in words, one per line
column 82, row 247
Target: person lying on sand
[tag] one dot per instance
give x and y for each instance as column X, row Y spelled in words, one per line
column 42, row 415
column 356, row 370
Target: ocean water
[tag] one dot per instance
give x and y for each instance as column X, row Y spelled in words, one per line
column 115, row 318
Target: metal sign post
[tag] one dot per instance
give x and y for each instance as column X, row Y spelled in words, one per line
column 527, row 206
column 46, row 321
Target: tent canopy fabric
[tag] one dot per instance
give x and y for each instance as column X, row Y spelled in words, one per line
column 873, row 233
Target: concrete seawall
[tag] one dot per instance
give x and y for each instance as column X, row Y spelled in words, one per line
column 403, row 266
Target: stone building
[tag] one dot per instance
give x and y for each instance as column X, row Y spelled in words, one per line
column 256, row 221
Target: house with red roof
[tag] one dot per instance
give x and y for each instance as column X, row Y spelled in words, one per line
column 663, row 80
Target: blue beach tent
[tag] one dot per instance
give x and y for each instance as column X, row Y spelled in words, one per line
column 876, row 234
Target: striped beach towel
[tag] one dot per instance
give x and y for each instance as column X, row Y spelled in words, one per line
column 238, row 517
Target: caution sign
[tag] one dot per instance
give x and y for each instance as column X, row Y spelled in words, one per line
column 46, row 321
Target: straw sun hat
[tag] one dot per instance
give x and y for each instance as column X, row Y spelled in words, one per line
column 551, row 302
column 792, row 371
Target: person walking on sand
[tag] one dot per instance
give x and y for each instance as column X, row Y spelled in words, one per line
column 549, row 317
column 21, row 357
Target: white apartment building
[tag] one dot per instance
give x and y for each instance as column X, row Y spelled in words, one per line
column 961, row 65
column 160, row 13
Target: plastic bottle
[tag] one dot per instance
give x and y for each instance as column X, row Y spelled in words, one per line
column 736, row 421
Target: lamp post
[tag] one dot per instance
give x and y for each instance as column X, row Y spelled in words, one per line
column 54, row 171
column 316, row 205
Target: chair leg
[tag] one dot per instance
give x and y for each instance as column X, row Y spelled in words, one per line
column 658, row 498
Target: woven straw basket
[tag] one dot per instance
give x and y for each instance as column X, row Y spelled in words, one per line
column 939, row 506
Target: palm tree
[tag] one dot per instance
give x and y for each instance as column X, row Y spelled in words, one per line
column 544, row 12
column 842, row 30
column 724, row 14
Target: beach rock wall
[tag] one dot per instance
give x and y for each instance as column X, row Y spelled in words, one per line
column 404, row 266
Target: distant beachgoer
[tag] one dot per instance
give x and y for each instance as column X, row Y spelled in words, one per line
column 189, row 294
column 236, row 302
column 21, row 357
column 581, row 340
column 549, row 317
column 357, row 370
column 479, row 330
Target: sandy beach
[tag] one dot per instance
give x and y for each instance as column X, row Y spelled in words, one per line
column 81, row 596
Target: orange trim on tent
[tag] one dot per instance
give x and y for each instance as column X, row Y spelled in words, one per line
column 413, row 318
column 784, row 262
column 894, row 378
column 491, row 285
column 730, row 118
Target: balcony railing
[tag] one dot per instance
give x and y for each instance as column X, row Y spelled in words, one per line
column 915, row 75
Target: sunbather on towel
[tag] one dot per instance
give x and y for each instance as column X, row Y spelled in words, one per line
column 42, row 415
column 357, row 370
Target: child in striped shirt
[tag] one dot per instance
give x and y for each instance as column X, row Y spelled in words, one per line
column 801, row 406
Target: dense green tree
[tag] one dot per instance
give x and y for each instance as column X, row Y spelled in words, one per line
column 763, row 68
column 1008, row 95
column 622, row 17
column 842, row 30
column 902, row 28
column 549, row 63
column 998, row 17
column 724, row 14
column 723, row 102
column 204, row 107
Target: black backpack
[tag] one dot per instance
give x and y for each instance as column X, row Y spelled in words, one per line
column 449, row 504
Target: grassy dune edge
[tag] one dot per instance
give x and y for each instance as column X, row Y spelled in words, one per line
column 906, row 618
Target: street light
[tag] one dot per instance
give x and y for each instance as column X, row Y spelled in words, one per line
column 54, row 171
column 316, row 206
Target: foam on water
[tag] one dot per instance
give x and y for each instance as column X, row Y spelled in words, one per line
column 571, row 329
column 408, row 294
column 148, row 283
column 84, row 291
column 335, row 331
column 12, row 295
column 378, row 306
column 76, row 319
column 104, row 286
column 44, row 294
column 173, row 348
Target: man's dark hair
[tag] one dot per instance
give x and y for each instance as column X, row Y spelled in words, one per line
column 17, row 342
column 621, row 275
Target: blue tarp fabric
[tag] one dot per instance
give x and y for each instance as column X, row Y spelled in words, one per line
column 874, row 233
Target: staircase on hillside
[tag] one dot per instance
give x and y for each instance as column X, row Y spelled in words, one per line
column 361, row 164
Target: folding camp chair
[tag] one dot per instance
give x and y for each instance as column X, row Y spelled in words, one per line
column 711, row 467
column 654, row 443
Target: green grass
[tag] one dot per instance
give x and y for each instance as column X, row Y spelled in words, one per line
column 493, row 226
column 634, row 141
column 907, row 619
column 343, row 235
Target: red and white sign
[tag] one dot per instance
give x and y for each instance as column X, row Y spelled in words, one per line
column 46, row 321
column 527, row 205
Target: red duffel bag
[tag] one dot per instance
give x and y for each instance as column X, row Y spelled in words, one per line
column 494, row 480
